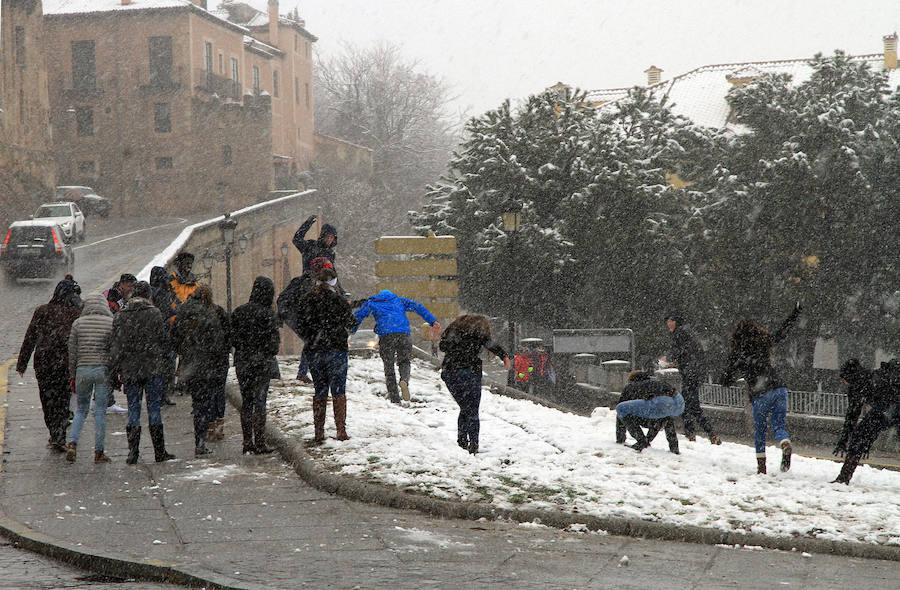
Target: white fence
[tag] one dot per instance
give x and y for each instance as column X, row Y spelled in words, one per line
column 815, row 403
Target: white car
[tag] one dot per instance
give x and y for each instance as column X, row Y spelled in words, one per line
column 66, row 215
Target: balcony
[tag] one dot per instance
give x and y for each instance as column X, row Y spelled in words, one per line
column 213, row 84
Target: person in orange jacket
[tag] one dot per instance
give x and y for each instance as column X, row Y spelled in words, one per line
column 524, row 368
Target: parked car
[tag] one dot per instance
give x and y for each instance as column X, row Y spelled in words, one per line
column 364, row 343
column 90, row 202
column 35, row 249
column 66, row 215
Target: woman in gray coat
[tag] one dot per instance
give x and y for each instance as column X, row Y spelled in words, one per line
column 88, row 344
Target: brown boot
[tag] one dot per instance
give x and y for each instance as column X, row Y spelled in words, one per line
column 786, row 451
column 340, row 416
column 761, row 465
column 70, row 452
column 100, row 457
column 320, row 408
column 211, row 431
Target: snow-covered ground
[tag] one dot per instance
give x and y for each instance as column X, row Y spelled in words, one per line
column 535, row 457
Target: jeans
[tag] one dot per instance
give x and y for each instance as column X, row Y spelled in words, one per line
column 329, row 372
column 465, row 387
column 219, row 399
column 661, row 406
column 774, row 403
column 134, row 391
column 395, row 349
column 89, row 381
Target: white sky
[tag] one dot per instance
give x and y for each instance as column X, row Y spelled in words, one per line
column 488, row 50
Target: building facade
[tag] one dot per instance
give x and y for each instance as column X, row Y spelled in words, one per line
column 167, row 107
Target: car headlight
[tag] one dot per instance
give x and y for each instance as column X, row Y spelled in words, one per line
column 372, row 344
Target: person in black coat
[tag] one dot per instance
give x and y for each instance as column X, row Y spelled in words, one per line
column 688, row 355
column 163, row 298
column 461, row 371
column 140, row 343
column 201, row 340
column 312, row 249
column 325, row 320
column 641, row 386
column 47, row 337
column 256, row 342
column 881, row 390
column 751, row 355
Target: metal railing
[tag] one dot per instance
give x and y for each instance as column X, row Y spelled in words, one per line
column 814, row 403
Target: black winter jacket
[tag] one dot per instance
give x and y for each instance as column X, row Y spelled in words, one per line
column 756, row 364
column 200, row 336
column 646, row 389
column 48, row 335
column 462, row 350
column 324, row 320
column 140, row 341
column 163, row 297
column 687, row 352
column 255, row 329
column 312, row 249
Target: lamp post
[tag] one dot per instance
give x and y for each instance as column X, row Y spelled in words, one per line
column 512, row 219
column 227, row 226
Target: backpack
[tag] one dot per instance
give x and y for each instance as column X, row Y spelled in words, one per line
column 288, row 299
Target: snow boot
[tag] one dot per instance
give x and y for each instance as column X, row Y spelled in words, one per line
column 259, row 434
column 157, row 437
column 133, row 434
column 404, row 390
column 201, row 428
column 100, row 457
column 320, row 409
column 340, row 416
column 847, row 469
column 761, row 465
column 70, row 452
column 635, row 430
column 715, row 439
column 247, row 430
column 786, row 450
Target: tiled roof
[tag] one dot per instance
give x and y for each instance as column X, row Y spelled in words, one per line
column 86, row 6
column 700, row 93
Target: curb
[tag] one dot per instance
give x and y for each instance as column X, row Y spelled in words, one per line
column 351, row 488
column 107, row 564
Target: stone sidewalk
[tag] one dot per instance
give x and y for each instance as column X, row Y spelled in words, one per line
column 231, row 521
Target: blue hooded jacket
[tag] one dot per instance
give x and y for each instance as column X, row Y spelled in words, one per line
column 389, row 311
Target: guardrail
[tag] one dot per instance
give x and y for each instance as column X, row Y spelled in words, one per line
column 813, row 403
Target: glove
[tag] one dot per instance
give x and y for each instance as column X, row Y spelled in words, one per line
column 72, row 385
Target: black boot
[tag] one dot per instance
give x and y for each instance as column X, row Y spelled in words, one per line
column 247, row 429
column 201, row 430
column 847, row 469
column 259, row 434
column 672, row 436
column 133, row 434
column 159, row 444
column 635, row 430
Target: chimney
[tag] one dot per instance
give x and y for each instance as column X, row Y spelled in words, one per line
column 890, row 51
column 653, row 73
column 273, row 22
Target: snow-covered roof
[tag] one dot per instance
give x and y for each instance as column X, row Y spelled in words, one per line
column 86, row 6
column 700, row 93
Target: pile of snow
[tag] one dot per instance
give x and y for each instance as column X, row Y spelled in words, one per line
column 536, row 457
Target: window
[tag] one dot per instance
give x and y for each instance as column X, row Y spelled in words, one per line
column 84, row 67
column 164, row 163
column 275, row 83
column 221, row 64
column 307, row 95
column 208, row 57
column 160, row 61
column 84, row 121
column 19, row 42
column 226, row 155
column 162, row 117
column 87, row 167
column 255, row 80
column 296, row 44
column 235, row 78
column 296, row 90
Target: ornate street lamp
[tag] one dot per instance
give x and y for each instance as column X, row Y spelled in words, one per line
column 208, row 261
column 512, row 219
column 284, row 258
column 227, row 227
column 512, row 215
column 243, row 242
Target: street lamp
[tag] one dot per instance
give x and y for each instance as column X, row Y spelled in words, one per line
column 227, row 227
column 512, row 219
column 243, row 242
column 287, row 267
column 208, row 261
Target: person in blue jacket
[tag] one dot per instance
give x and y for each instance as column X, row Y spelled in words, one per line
column 392, row 327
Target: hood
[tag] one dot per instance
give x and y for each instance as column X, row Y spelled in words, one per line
column 136, row 304
column 96, row 304
column 329, row 230
column 159, row 277
column 67, row 292
column 263, row 291
column 383, row 296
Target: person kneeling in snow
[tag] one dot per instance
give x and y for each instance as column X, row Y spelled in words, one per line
column 648, row 400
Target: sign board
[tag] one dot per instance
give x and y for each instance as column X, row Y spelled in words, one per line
column 442, row 267
column 415, row 245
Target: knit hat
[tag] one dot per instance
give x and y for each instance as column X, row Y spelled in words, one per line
column 141, row 289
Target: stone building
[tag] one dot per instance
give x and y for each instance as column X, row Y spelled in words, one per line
column 27, row 168
column 166, row 106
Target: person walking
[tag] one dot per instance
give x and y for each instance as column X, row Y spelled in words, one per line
column 88, row 349
column 324, row 319
column 219, row 399
column 688, row 356
column 47, row 337
column 394, row 342
column 751, row 355
column 650, row 402
column 163, row 298
column 461, row 344
column 323, row 247
column 137, row 359
column 116, row 297
column 256, row 342
column 200, row 337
